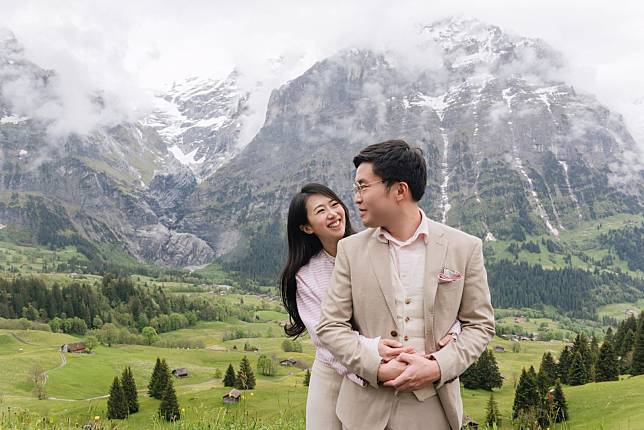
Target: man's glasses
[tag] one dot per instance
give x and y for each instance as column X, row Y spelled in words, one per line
column 358, row 188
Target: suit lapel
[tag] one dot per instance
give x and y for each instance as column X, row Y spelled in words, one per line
column 381, row 265
column 434, row 262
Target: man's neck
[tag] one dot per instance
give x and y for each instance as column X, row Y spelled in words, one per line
column 405, row 224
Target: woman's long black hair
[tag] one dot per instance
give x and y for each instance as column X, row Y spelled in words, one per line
column 301, row 247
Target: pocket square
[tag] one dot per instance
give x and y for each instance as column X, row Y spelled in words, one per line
column 448, row 275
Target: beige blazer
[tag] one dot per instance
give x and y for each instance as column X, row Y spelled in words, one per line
column 361, row 296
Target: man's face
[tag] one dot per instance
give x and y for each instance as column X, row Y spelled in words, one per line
column 375, row 204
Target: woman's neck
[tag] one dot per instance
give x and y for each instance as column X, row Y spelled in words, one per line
column 330, row 246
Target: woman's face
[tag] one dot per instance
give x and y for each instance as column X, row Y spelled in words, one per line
column 327, row 219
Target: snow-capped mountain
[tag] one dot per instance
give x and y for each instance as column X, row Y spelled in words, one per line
column 201, row 120
column 512, row 149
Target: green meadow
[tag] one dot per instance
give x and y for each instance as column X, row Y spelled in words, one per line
column 77, row 385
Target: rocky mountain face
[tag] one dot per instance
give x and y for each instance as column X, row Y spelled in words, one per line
column 88, row 187
column 511, row 150
column 201, row 122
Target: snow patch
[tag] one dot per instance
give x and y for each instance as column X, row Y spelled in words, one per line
column 185, row 159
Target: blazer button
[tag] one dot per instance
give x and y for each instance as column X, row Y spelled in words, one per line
column 406, row 338
column 407, row 300
column 394, row 333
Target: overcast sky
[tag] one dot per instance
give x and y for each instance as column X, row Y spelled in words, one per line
column 128, row 46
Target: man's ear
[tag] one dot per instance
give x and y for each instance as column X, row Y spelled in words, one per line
column 401, row 190
column 306, row 229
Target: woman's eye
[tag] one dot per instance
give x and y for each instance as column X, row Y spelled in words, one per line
column 334, row 204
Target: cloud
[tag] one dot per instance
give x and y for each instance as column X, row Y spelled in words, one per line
column 120, row 47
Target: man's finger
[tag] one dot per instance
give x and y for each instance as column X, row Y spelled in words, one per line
column 391, row 343
column 400, row 380
column 405, row 357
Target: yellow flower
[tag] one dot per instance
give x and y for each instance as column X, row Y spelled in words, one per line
column 183, row 409
column 96, row 418
column 252, row 394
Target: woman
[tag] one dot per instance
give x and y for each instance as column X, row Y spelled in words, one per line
column 317, row 220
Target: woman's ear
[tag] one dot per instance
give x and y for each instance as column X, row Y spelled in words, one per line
column 306, row 229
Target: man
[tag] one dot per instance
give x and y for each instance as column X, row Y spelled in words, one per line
column 405, row 278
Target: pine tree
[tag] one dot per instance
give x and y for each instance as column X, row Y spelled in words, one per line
column 563, row 368
column 637, row 364
column 560, row 406
column 245, row 376
column 492, row 416
column 490, row 376
column 169, row 406
column 154, row 380
column 548, row 369
column 594, row 355
column 581, row 345
column 607, row 368
column 307, row 378
column 527, row 400
column 129, row 389
column 578, row 373
column 116, row 403
column 229, row 379
column 160, row 381
column 471, row 377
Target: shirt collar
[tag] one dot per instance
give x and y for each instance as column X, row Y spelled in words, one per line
column 422, row 231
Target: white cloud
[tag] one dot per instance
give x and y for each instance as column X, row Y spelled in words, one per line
column 123, row 47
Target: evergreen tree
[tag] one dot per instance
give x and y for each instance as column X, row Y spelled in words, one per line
column 154, row 380
column 581, row 345
column 607, row 368
column 160, row 381
column 548, row 369
column 637, row 364
column 169, row 406
column 578, row 373
column 307, row 378
column 490, row 376
column 594, row 356
column 470, row 378
column 563, row 368
column 483, row 373
column 492, row 416
column 117, row 403
column 245, row 376
column 229, row 379
column 623, row 341
column 527, row 400
column 129, row 389
column 560, row 407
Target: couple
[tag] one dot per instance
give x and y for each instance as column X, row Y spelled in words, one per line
column 396, row 311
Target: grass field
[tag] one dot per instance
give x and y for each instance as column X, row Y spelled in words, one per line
column 76, row 389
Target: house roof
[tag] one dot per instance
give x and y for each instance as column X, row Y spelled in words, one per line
column 75, row 346
column 233, row 393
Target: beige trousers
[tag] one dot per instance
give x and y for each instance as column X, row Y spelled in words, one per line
column 324, row 387
column 407, row 413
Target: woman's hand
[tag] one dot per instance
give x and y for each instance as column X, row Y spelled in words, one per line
column 445, row 340
column 390, row 349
